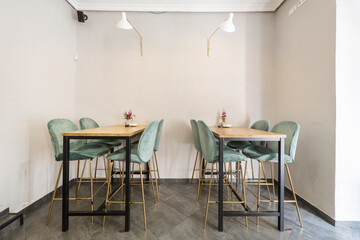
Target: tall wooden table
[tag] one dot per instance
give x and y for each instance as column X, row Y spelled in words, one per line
column 248, row 134
column 110, row 132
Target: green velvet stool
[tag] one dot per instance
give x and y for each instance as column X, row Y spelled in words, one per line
column 196, row 136
column 262, row 125
column 210, row 151
column 154, row 160
column 195, row 133
column 78, row 151
column 141, row 153
column 270, row 154
column 87, row 123
column 156, row 147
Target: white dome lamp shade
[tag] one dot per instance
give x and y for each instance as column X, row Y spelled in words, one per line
column 124, row 23
column 226, row 26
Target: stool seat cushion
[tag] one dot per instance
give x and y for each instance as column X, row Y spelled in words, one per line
column 239, row 145
column 229, row 155
column 264, row 154
column 87, row 151
column 111, row 143
column 120, row 155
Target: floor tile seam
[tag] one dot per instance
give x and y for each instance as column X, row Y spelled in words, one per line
column 173, row 226
column 180, row 210
column 170, row 229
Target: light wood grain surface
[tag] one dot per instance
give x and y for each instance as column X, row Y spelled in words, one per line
column 242, row 132
column 109, row 131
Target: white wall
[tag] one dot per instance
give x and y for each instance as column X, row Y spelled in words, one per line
column 175, row 79
column 347, row 110
column 37, row 74
column 305, row 92
column 273, row 67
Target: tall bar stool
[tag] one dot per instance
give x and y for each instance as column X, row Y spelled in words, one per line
column 78, row 151
column 202, row 165
column 154, row 162
column 262, row 125
column 210, row 152
column 87, row 123
column 140, row 153
column 270, row 154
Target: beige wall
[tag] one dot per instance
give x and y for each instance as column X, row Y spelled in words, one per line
column 175, row 80
column 305, row 90
column 37, row 74
column 347, row 110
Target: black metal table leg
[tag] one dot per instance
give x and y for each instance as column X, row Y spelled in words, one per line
column 65, row 202
column 281, row 185
column 127, row 185
column 221, row 176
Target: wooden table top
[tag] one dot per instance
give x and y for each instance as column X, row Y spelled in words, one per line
column 242, row 132
column 109, row 131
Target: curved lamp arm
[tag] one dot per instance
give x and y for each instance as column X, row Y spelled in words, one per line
column 141, row 40
column 208, row 41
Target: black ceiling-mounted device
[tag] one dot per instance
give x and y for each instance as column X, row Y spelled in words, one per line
column 82, row 17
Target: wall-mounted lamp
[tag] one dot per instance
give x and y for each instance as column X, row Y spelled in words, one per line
column 124, row 23
column 226, row 26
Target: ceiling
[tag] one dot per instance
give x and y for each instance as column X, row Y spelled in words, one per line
column 177, row 5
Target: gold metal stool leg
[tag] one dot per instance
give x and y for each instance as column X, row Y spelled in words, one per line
column 208, row 198
column 272, row 180
column 142, row 194
column 243, row 188
column 82, row 174
column 231, row 177
column 192, row 177
column 258, row 195
column 122, row 181
column 237, row 175
column 77, row 177
column 252, row 169
column 105, row 168
column 53, row 196
column 157, row 168
column 91, row 191
column 108, row 188
column 294, row 195
column 133, row 170
column 151, row 180
column 156, row 183
column 200, row 178
column 267, row 186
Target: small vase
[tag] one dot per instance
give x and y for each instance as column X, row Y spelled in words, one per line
column 222, row 123
column 127, row 122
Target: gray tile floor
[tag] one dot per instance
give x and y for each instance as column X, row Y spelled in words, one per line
column 177, row 216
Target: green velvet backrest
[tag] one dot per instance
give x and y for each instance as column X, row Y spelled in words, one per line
column 291, row 130
column 147, row 142
column 262, row 125
column 158, row 135
column 56, row 127
column 86, row 123
column 207, row 142
column 195, row 132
